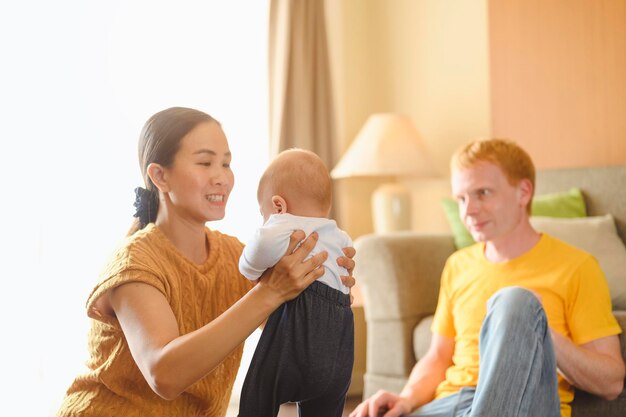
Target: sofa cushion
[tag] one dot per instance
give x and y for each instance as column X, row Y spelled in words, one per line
column 598, row 236
column 462, row 237
column 565, row 204
column 422, row 336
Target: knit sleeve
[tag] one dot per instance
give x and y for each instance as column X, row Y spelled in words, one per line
column 131, row 263
column 94, row 309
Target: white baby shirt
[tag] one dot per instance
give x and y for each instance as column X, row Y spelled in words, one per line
column 270, row 242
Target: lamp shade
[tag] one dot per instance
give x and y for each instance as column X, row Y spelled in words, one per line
column 387, row 145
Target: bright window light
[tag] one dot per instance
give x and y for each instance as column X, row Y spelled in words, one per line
column 79, row 79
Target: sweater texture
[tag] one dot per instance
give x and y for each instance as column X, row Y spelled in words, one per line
column 197, row 294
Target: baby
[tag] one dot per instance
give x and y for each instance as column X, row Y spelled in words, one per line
column 306, row 351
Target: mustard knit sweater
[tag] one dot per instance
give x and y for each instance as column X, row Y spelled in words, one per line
column 114, row 386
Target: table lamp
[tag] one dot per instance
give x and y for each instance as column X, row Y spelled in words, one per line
column 387, row 145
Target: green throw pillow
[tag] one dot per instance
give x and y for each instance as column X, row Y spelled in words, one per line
column 565, row 204
column 462, row 237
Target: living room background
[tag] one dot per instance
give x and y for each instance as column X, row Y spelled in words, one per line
column 79, row 78
column 550, row 75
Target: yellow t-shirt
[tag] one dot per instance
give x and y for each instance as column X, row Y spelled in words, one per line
column 113, row 386
column 574, row 293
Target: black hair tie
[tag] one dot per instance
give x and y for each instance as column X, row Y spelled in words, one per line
column 146, row 205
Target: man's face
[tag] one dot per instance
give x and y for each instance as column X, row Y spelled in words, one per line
column 490, row 207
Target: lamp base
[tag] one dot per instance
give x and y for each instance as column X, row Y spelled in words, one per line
column 391, row 208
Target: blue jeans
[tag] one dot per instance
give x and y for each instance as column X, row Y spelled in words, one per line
column 517, row 375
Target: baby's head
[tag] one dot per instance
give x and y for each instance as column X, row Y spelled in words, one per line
column 295, row 182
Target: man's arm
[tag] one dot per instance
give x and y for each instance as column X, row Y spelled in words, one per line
column 429, row 371
column 596, row 367
column 419, row 389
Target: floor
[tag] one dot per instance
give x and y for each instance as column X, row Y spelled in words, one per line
column 289, row 410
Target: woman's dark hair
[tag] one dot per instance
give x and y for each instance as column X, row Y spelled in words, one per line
column 158, row 143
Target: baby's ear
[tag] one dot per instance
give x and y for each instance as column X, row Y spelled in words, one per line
column 279, row 204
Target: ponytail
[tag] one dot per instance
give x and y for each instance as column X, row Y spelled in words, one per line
column 146, row 206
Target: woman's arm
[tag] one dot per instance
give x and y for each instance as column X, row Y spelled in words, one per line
column 171, row 362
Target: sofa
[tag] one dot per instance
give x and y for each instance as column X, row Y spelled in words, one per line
column 399, row 274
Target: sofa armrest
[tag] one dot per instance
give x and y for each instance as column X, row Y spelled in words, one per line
column 399, row 276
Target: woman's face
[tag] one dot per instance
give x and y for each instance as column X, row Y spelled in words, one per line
column 200, row 178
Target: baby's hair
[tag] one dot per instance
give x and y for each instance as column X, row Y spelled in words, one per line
column 298, row 175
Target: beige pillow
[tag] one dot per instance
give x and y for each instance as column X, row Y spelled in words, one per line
column 598, row 236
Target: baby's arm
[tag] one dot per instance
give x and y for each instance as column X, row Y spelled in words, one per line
column 265, row 249
column 347, row 240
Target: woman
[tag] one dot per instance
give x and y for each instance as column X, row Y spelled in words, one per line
column 171, row 311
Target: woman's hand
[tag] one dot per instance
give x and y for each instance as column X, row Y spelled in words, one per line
column 292, row 274
column 348, row 263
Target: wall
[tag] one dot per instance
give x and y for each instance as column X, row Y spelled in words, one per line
column 549, row 74
column 427, row 59
column 558, row 77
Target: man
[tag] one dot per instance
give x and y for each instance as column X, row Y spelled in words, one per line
column 536, row 311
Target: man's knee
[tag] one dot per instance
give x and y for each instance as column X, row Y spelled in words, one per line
column 514, row 302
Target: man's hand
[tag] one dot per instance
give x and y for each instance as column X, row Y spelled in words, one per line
column 382, row 404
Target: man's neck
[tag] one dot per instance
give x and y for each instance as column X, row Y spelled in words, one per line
column 512, row 245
